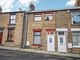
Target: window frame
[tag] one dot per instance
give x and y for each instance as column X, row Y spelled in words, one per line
column 34, row 38
column 61, row 33
column 74, row 46
column 48, row 16
column 8, row 35
column 12, row 19
column 72, row 17
column 37, row 16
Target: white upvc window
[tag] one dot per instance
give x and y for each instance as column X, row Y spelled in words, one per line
column 37, row 18
column 37, row 38
column 13, row 19
column 75, row 17
column 48, row 17
column 76, row 38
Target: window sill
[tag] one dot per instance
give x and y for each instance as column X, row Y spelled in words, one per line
column 11, row 24
column 75, row 24
column 76, row 46
column 48, row 20
column 37, row 21
column 36, row 45
column 9, row 41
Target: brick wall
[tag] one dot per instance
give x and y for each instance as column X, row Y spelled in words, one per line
column 5, row 17
column 43, row 25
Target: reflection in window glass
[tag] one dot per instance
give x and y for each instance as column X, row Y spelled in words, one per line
column 76, row 19
column 48, row 17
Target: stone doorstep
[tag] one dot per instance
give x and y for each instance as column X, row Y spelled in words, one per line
column 40, row 51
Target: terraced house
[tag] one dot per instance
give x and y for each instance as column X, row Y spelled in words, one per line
column 51, row 30
column 55, row 30
column 11, row 27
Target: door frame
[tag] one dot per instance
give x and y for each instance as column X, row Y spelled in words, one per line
column 64, row 42
column 48, row 42
column 65, row 34
column 1, row 31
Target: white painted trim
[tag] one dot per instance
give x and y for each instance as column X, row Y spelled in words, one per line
column 53, row 35
column 75, row 29
column 61, row 29
column 27, row 43
column 76, row 46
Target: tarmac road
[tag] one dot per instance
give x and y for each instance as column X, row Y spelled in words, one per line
column 17, row 55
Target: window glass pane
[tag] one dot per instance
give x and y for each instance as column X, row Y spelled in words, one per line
column 13, row 16
column 61, row 40
column 37, row 17
column 76, row 17
column 50, row 40
column 79, row 40
column 76, row 38
column 48, row 17
column 76, row 33
column 12, row 19
column 37, row 39
column 37, row 33
column 60, row 33
column 75, row 43
column 13, row 22
column 10, row 34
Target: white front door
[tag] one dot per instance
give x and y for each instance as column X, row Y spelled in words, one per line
column 50, row 43
column 62, row 42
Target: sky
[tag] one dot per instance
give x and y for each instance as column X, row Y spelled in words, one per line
column 16, row 5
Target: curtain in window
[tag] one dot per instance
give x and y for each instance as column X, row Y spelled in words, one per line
column 37, row 37
column 76, row 38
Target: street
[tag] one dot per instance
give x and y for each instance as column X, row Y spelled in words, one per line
column 17, row 55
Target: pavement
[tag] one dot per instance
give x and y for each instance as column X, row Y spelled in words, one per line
column 40, row 51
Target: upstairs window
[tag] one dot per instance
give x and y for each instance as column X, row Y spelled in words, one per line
column 12, row 19
column 76, row 18
column 37, row 18
column 48, row 17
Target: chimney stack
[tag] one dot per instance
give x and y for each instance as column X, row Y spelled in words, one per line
column 32, row 7
column 0, row 9
column 77, row 4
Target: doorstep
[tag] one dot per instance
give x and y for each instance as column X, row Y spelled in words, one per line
column 40, row 51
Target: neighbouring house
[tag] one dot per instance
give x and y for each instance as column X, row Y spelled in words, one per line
column 55, row 30
column 11, row 28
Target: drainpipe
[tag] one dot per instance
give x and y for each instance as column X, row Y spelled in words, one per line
column 24, row 32
column 0, row 15
column 26, row 43
column 0, row 19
